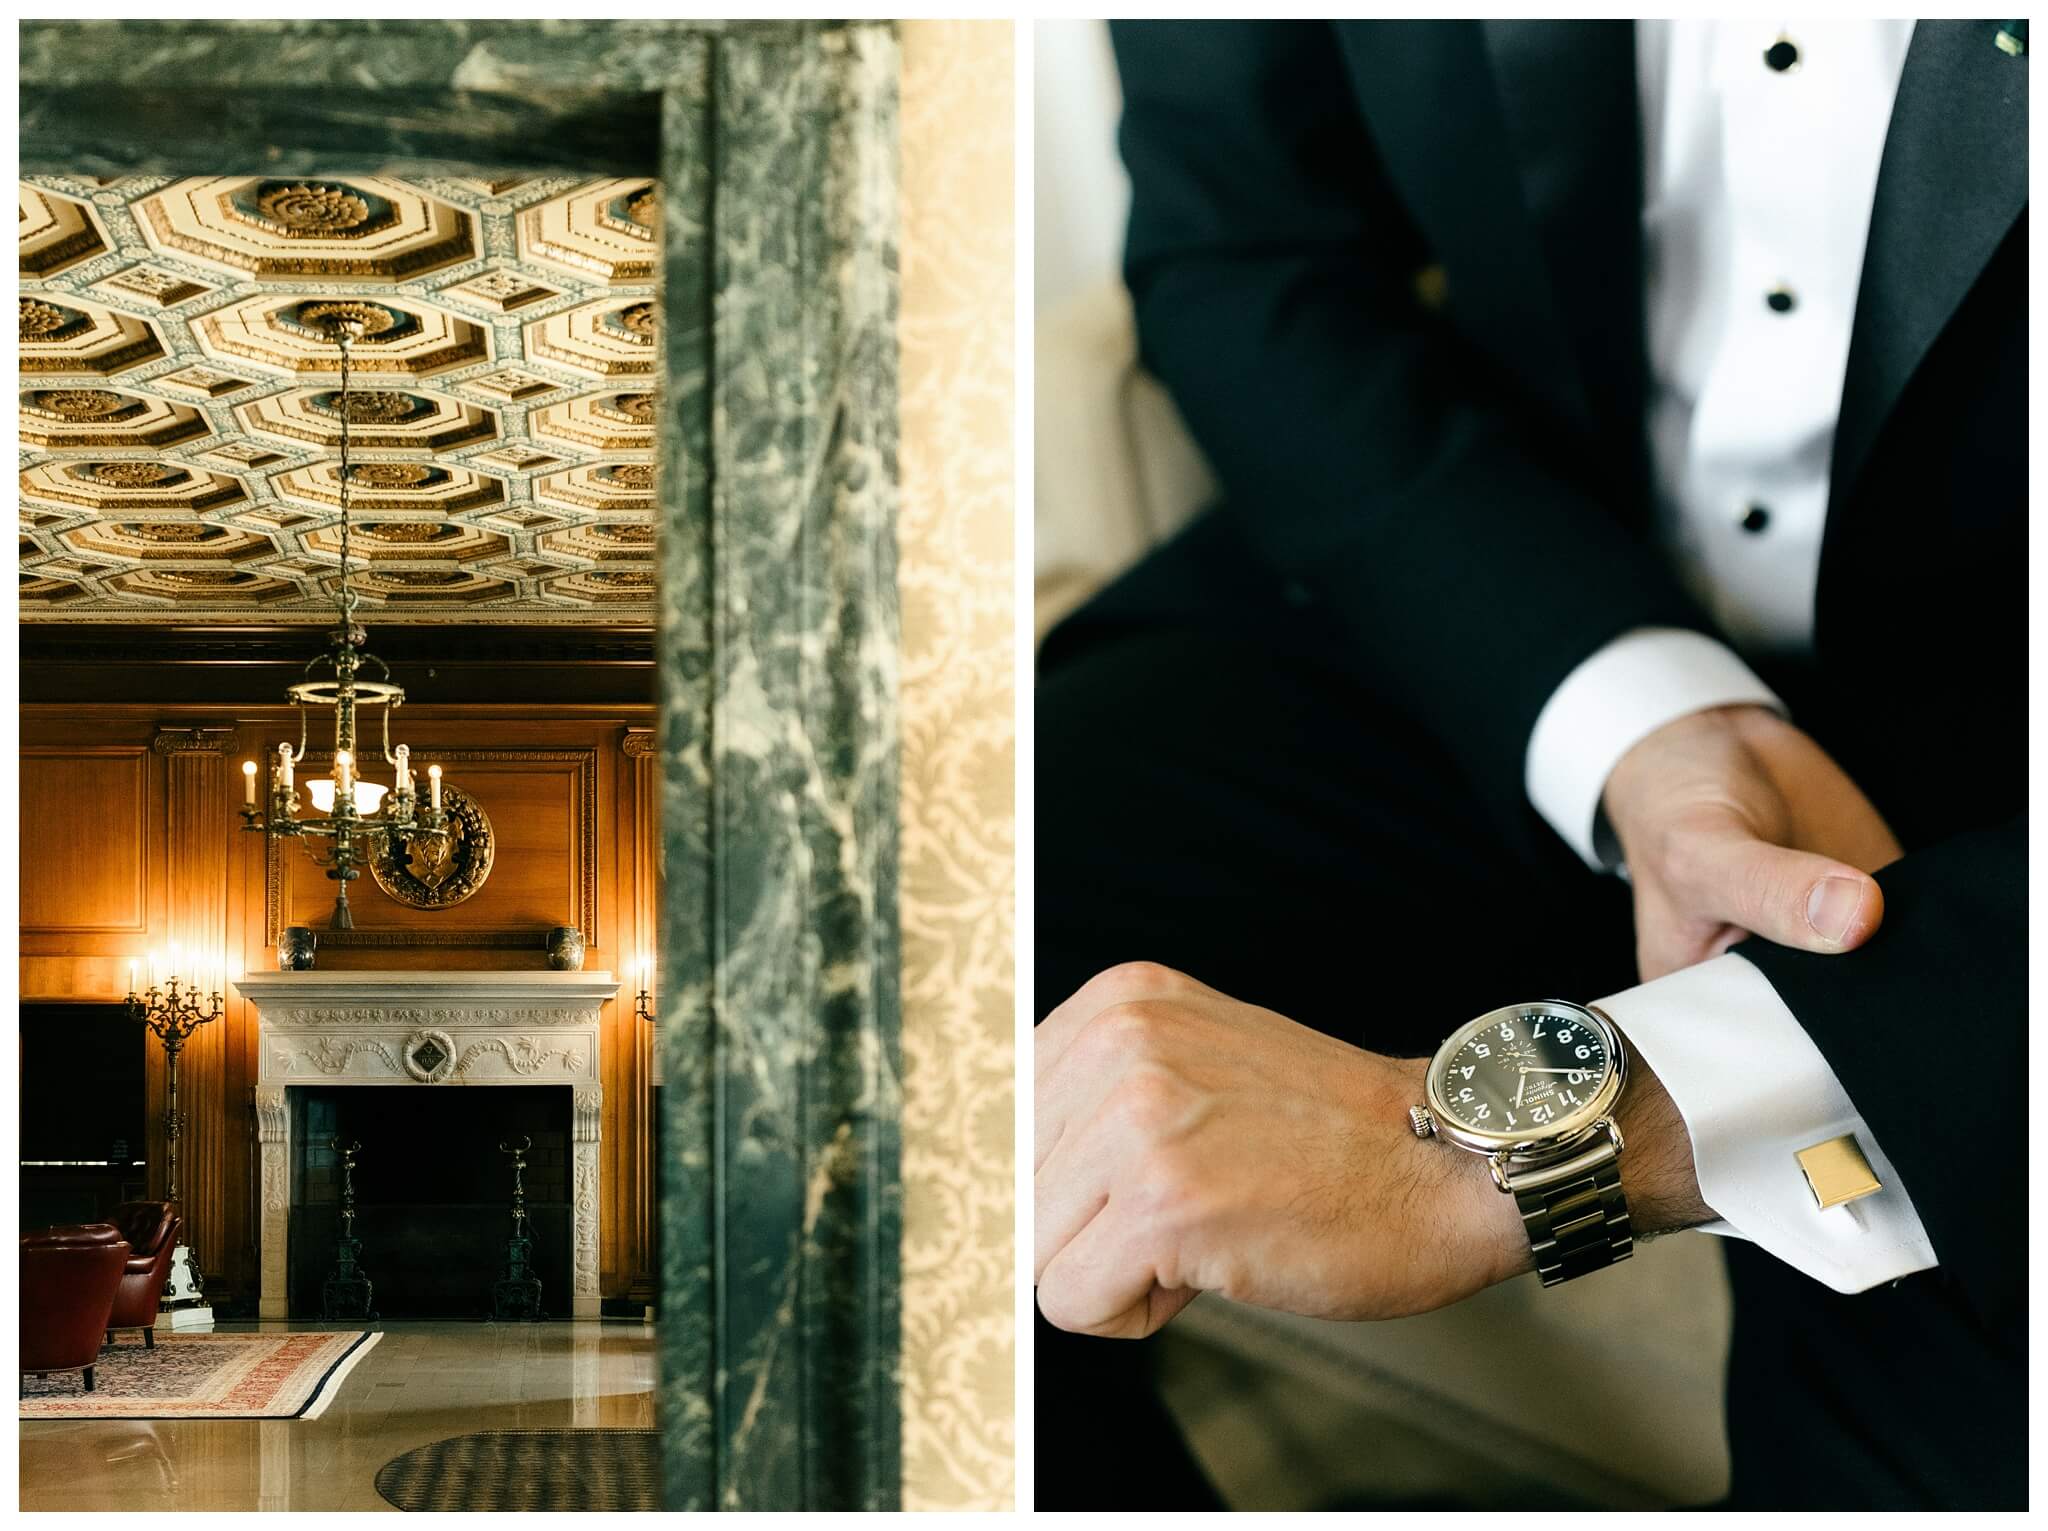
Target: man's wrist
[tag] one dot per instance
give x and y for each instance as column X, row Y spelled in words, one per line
column 1485, row 1240
column 1657, row 1174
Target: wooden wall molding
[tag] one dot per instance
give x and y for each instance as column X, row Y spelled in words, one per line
column 87, row 824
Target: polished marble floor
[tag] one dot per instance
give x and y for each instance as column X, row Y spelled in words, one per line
column 421, row 1382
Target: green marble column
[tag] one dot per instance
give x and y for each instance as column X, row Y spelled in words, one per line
column 775, row 145
column 780, row 948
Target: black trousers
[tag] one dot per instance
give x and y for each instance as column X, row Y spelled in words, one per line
column 1218, row 791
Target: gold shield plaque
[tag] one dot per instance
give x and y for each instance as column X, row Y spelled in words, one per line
column 439, row 871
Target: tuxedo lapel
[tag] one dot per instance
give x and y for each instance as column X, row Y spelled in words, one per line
column 1952, row 183
column 1567, row 93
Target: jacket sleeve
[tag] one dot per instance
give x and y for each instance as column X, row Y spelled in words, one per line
column 1926, row 1027
column 1273, row 272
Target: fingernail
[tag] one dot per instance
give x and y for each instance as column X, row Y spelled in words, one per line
column 1832, row 905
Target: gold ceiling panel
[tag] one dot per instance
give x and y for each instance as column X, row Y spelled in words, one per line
column 609, row 487
column 179, row 590
column 148, row 284
column 607, row 230
column 179, row 433
column 281, row 332
column 603, row 542
column 459, row 587
column 184, row 541
column 409, row 542
column 379, row 419
column 77, row 338
column 127, row 485
column 604, row 422
column 56, row 232
column 609, row 339
column 91, row 418
column 284, row 230
column 609, row 587
column 388, row 486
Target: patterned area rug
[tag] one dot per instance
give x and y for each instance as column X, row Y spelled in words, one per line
column 203, row 1376
column 529, row 1470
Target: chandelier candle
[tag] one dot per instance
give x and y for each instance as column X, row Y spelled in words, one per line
column 350, row 829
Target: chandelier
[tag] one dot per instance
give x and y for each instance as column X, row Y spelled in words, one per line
column 353, row 814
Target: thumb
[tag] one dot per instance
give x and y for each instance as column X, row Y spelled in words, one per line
column 1812, row 903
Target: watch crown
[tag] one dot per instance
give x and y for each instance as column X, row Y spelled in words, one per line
column 1423, row 1123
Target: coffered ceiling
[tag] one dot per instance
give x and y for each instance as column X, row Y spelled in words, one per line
column 180, row 415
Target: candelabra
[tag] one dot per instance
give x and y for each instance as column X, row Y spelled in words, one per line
column 347, row 804
column 173, row 1013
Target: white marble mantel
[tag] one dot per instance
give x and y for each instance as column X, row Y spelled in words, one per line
column 428, row 1030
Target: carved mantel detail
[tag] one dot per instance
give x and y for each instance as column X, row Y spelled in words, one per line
column 432, row 1031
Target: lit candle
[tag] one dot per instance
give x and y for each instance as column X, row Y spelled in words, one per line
column 156, row 966
column 403, row 781
column 434, row 784
column 249, row 783
column 131, row 977
column 284, row 767
column 344, row 773
column 646, row 975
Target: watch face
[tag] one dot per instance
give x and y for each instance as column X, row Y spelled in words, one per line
column 1529, row 1071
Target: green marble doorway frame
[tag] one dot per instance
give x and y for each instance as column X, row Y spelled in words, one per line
column 775, row 146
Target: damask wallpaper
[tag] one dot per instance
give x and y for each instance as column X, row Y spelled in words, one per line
column 959, row 745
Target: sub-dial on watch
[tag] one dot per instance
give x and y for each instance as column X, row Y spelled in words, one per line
column 1533, row 1087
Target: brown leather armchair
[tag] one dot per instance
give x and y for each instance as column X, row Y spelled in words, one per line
column 151, row 1229
column 68, row 1280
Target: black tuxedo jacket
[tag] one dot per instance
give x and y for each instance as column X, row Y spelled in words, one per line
column 1392, row 274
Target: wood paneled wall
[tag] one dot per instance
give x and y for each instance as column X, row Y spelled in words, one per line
column 131, row 839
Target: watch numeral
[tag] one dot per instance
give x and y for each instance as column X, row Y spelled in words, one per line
column 1465, row 1094
column 1582, row 1052
column 1507, row 1031
column 1571, row 1097
column 1481, row 1050
column 1564, row 1034
column 1467, row 1070
column 1482, row 1112
column 1541, row 1113
column 1575, row 1077
column 1511, row 1120
column 1539, row 1028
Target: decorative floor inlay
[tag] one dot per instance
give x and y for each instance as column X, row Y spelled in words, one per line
column 203, row 1376
column 529, row 1470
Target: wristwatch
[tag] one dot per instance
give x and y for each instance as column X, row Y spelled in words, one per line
column 1534, row 1088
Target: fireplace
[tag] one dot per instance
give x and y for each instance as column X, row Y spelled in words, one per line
column 429, row 1034
column 433, row 1195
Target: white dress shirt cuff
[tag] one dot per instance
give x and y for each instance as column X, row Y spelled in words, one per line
column 1754, row 1091
column 1624, row 693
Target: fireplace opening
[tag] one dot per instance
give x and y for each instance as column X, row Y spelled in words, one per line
column 433, row 1194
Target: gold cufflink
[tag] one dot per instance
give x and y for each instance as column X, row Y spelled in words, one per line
column 1837, row 1172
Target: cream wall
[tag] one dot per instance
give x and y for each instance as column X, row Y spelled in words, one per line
column 959, row 823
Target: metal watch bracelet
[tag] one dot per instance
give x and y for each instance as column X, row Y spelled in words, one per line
column 1574, row 1211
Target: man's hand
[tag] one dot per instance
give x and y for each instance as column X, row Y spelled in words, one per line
column 1733, row 822
column 1188, row 1143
